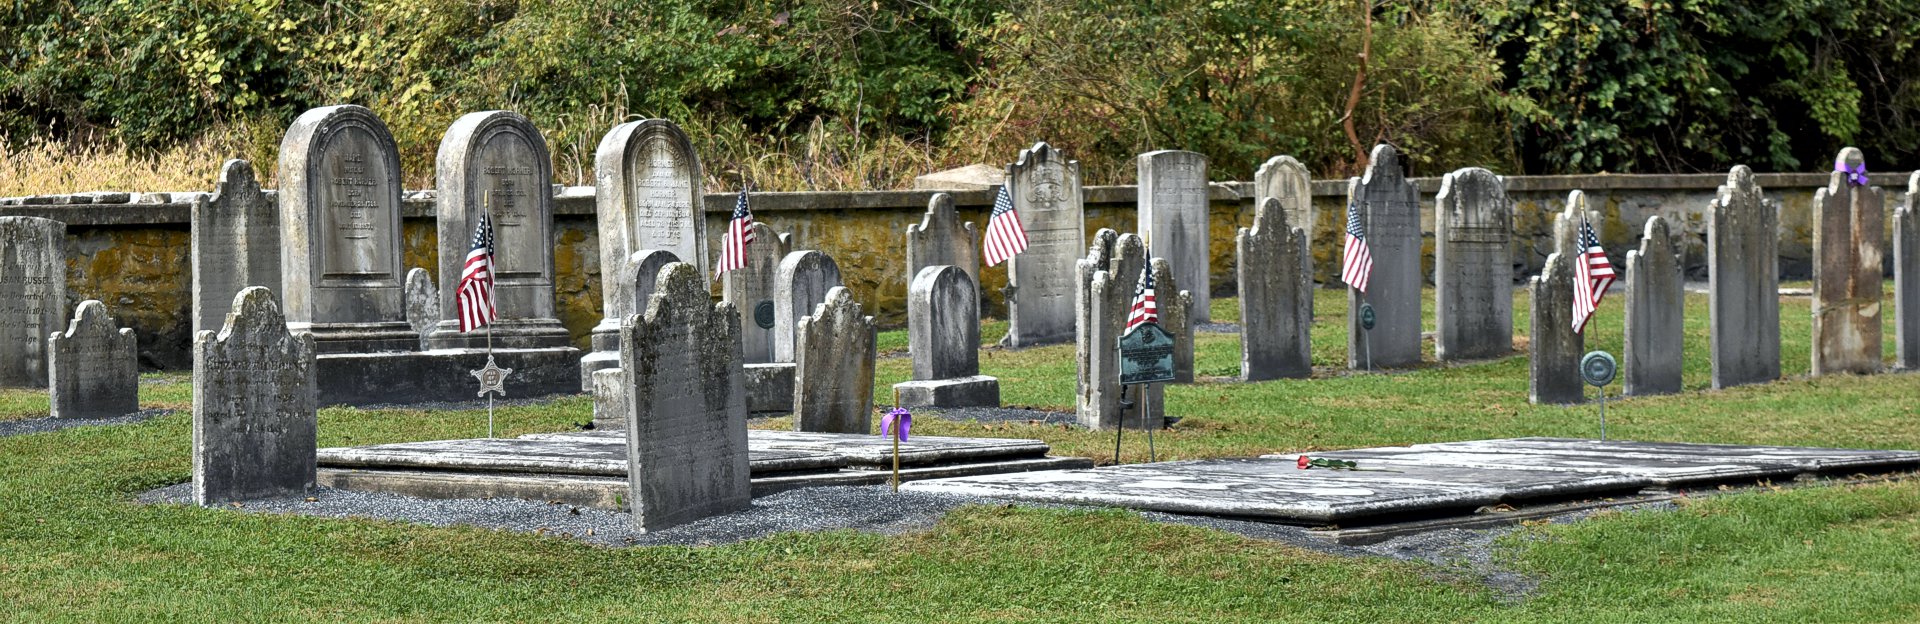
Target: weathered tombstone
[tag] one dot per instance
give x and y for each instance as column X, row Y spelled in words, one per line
column 1390, row 217
column 802, row 281
column 687, row 429
column 1275, row 273
column 1847, row 261
column 1655, row 301
column 1045, row 188
column 33, row 296
column 496, row 163
column 1108, row 277
column 1906, row 279
column 95, row 366
column 1473, row 267
column 1176, row 316
column 942, row 239
column 340, row 232
column 1743, row 282
column 1553, row 373
column 833, row 367
column 647, row 196
column 1285, row 179
column 254, row 418
column 943, row 336
column 637, row 285
column 423, row 303
column 1173, row 218
column 751, row 288
column 1566, row 224
column 235, row 240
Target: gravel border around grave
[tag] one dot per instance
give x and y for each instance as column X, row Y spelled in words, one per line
column 476, row 404
column 1002, row 415
column 48, row 423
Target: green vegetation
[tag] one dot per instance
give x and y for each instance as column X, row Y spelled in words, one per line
column 73, row 547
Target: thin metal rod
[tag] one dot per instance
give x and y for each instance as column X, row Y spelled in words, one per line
column 1120, row 430
column 1603, row 414
column 489, row 392
column 1146, row 409
column 896, row 458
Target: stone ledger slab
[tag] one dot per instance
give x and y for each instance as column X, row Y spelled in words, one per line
column 871, row 451
column 575, row 455
column 1804, row 457
column 1660, row 471
column 441, row 375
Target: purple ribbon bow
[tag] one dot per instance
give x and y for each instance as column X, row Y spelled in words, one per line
column 900, row 415
column 1856, row 175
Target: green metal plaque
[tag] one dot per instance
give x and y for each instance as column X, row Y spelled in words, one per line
column 1146, row 355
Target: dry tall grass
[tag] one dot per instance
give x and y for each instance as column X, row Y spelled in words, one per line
column 40, row 166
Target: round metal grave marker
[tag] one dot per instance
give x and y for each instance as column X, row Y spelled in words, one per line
column 763, row 314
column 1598, row 368
column 1366, row 316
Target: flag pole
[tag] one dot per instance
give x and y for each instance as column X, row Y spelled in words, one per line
column 1146, row 409
column 487, row 208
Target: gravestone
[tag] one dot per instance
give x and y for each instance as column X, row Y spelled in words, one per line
column 687, row 429
column 1173, row 218
column 802, row 281
column 751, row 288
column 647, row 195
column 1553, row 373
column 235, row 241
column 340, row 232
column 254, row 418
column 1743, row 282
column 1275, row 272
column 1906, row 279
column 1473, row 267
column 1045, row 188
column 1176, row 316
column 833, row 367
column 1390, row 216
column 496, row 163
column 1285, row 179
column 1566, row 224
column 1655, row 301
column 423, row 303
column 1847, row 261
column 33, row 296
column 942, row 239
column 1108, row 277
column 637, row 285
column 95, row 366
column 943, row 337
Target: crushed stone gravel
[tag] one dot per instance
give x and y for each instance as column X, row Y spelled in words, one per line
column 45, row 424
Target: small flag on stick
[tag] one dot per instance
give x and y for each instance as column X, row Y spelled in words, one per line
column 1005, row 236
column 1593, row 273
column 1145, row 308
column 733, row 247
column 1356, row 265
column 475, row 298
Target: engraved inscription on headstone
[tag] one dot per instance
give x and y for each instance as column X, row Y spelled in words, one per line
column 235, row 243
column 1743, row 282
column 1173, row 218
column 1390, row 215
column 943, row 336
column 33, row 296
column 1473, row 267
column 1046, row 193
column 833, row 367
column 496, row 163
column 254, row 418
column 1847, row 261
column 1276, row 296
column 646, row 181
column 95, row 366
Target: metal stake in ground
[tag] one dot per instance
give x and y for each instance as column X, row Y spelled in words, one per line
column 1598, row 369
column 1366, row 331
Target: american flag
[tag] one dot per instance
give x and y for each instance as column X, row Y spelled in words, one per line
column 1005, row 236
column 1357, row 263
column 1145, row 309
column 733, row 247
column 1593, row 273
column 475, row 298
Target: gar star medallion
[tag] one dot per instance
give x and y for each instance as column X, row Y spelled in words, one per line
column 492, row 378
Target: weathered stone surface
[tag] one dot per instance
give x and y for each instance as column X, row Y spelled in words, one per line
column 646, row 180
column 1660, row 471
column 254, row 418
column 970, row 391
column 1906, row 279
column 801, row 282
column 1473, row 267
column 441, row 375
column 1276, row 293
column 687, row 411
column 340, row 255
column 33, row 296
column 604, row 455
column 974, row 177
column 943, row 334
column 770, row 387
column 95, row 366
column 833, row 367
column 1173, row 218
column 877, row 451
column 941, row 238
column 496, row 163
column 235, row 237
column 1390, row 216
column 1107, row 277
column 1176, row 316
column 1285, row 179
column 1553, row 374
column 609, row 399
column 1804, row 458
column 1847, row 257
column 423, row 303
column 1743, row 279
column 627, row 297
column 1650, row 362
column 1040, row 281
column 754, row 285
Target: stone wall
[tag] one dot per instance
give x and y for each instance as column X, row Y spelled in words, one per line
column 131, row 250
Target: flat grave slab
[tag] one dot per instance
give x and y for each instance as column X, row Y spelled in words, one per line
column 592, row 456
column 1811, row 459
column 867, row 450
column 1660, row 471
column 1510, row 485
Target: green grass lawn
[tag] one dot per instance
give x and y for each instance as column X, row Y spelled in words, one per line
column 73, row 547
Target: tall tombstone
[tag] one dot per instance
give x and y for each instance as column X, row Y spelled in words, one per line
column 423, row 303
column 1275, row 272
column 254, row 416
column 1473, row 266
column 1176, row 316
column 1743, row 275
column 1656, row 299
column 687, row 428
column 942, row 239
column 751, row 288
column 95, row 366
column 1045, row 188
column 1906, row 279
column 1099, row 257
column 833, row 367
column 1108, row 276
column 33, row 296
column 943, row 336
column 340, row 232
column 1390, row 215
column 235, row 240
column 1553, row 373
column 646, row 180
column 1847, row 260
column 496, row 163
column 1173, row 218
column 802, row 281
column 1285, row 179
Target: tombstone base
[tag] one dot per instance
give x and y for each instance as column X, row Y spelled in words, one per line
column 507, row 333
column 770, row 388
column 609, row 402
column 441, row 375
column 975, row 391
column 605, row 355
column 359, row 338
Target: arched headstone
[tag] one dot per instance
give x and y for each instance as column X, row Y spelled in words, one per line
column 1473, row 266
column 803, row 281
column 647, row 195
column 496, row 163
